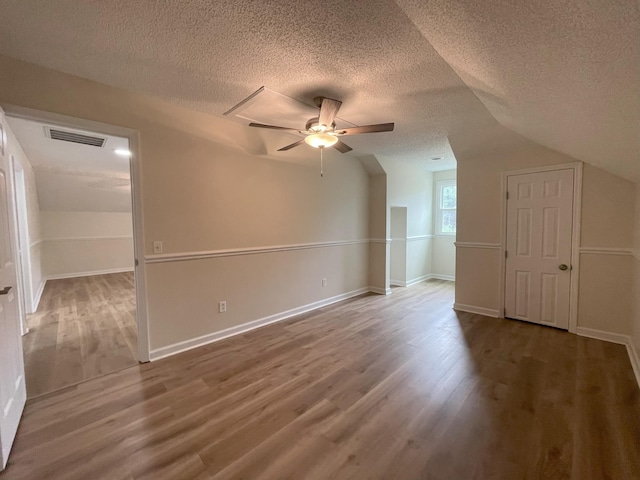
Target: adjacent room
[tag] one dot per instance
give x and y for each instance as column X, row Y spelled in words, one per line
column 74, row 218
column 392, row 242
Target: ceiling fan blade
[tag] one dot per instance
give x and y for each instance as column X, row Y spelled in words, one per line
column 342, row 147
column 273, row 127
column 328, row 111
column 289, row 147
column 381, row 127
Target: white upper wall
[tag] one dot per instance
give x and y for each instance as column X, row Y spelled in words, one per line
column 75, row 177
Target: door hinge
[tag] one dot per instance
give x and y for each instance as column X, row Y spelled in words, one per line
column 507, row 195
column 505, row 254
column 135, row 262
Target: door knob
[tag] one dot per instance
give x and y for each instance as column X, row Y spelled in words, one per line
column 563, row 267
column 5, row 290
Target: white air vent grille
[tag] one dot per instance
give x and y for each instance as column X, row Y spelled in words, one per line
column 75, row 137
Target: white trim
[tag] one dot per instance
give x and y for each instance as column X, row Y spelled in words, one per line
column 576, row 228
column 606, row 251
column 544, row 168
column 448, row 278
column 575, row 247
column 416, row 238
column 136, row 200
column 177, row 257
column 602, row 335
column 438, row 216
column 380, row 291
column 634, row 358
column 89, row 274
column 487, row 312
column 380, row 240
column 38, row 295
column 66, row 239
column 246, row 327
column 618, row 338
column 36, row 243
column 492, row 246
column 418, row 280
column 429, row 276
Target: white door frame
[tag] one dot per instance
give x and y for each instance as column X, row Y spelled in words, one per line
column 136, row 199
column 575, row 234
column 23, row 257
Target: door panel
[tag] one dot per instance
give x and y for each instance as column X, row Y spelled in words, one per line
column 12, row 385
column 539, row 225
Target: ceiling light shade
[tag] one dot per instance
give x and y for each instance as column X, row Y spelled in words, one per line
column 321, row 140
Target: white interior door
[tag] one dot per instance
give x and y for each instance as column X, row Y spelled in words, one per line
column 538, row 264
column 13, row 393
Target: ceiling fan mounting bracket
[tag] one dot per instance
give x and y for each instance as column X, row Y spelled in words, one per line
column 317, row 101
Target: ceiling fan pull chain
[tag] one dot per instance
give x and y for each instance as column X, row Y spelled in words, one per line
column 321, row 173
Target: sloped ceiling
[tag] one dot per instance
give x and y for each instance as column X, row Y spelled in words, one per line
column 538, row 69
column 565, row 74
column 76, row 178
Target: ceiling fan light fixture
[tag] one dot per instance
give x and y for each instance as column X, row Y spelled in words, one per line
column 321, row 140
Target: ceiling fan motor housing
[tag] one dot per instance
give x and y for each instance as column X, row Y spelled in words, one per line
column 313, row 124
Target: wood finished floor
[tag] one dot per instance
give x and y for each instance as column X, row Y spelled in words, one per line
column 396, row 387
column 85, row 327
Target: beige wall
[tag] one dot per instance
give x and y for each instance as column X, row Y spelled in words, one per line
column 379, row 221
column 443, row 262
column 636, row 274
column 410, row 185
column 398, row 259
column 604, row 296
column 32, row 238
column 204, row 188
column 86, row 243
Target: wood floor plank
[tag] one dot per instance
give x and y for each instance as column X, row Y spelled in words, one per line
column 85, row 327
column 377, row 387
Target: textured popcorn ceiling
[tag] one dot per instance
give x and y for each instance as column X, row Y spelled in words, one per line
column 559, row 74
column 564, row 73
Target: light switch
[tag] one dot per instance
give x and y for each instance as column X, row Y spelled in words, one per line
column 157, row 246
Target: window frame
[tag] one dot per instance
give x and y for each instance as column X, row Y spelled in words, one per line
column 440, row 185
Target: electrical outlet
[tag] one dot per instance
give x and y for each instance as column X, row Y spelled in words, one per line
column 157, row 246
column 324, row 282
column 222, row 306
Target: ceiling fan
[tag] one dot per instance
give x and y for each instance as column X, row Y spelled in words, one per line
column 321, row 132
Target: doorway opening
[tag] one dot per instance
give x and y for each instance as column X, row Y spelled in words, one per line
column 76, row 237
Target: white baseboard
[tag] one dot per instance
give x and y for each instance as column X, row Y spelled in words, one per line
column 245, row 327
column 619, row 338
column 89, row 274
column 602, row 335
column 487, row 312
column 38, row 295
column 418, row 280
column 429, row 276
column 635, row 360
column 380, row 291
column 448, row 278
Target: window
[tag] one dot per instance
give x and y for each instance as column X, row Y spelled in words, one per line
column 446, row 207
